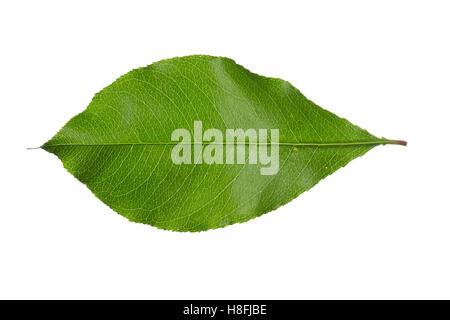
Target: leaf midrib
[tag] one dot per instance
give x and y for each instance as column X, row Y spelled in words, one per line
column 281, row 144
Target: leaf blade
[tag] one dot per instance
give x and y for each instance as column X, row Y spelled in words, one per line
column 120, row 145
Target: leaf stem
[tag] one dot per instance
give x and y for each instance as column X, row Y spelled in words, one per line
column 398, row 142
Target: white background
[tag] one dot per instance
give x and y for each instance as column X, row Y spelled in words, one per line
column 379, row 228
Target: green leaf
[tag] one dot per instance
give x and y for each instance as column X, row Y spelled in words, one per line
column 121, row 145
